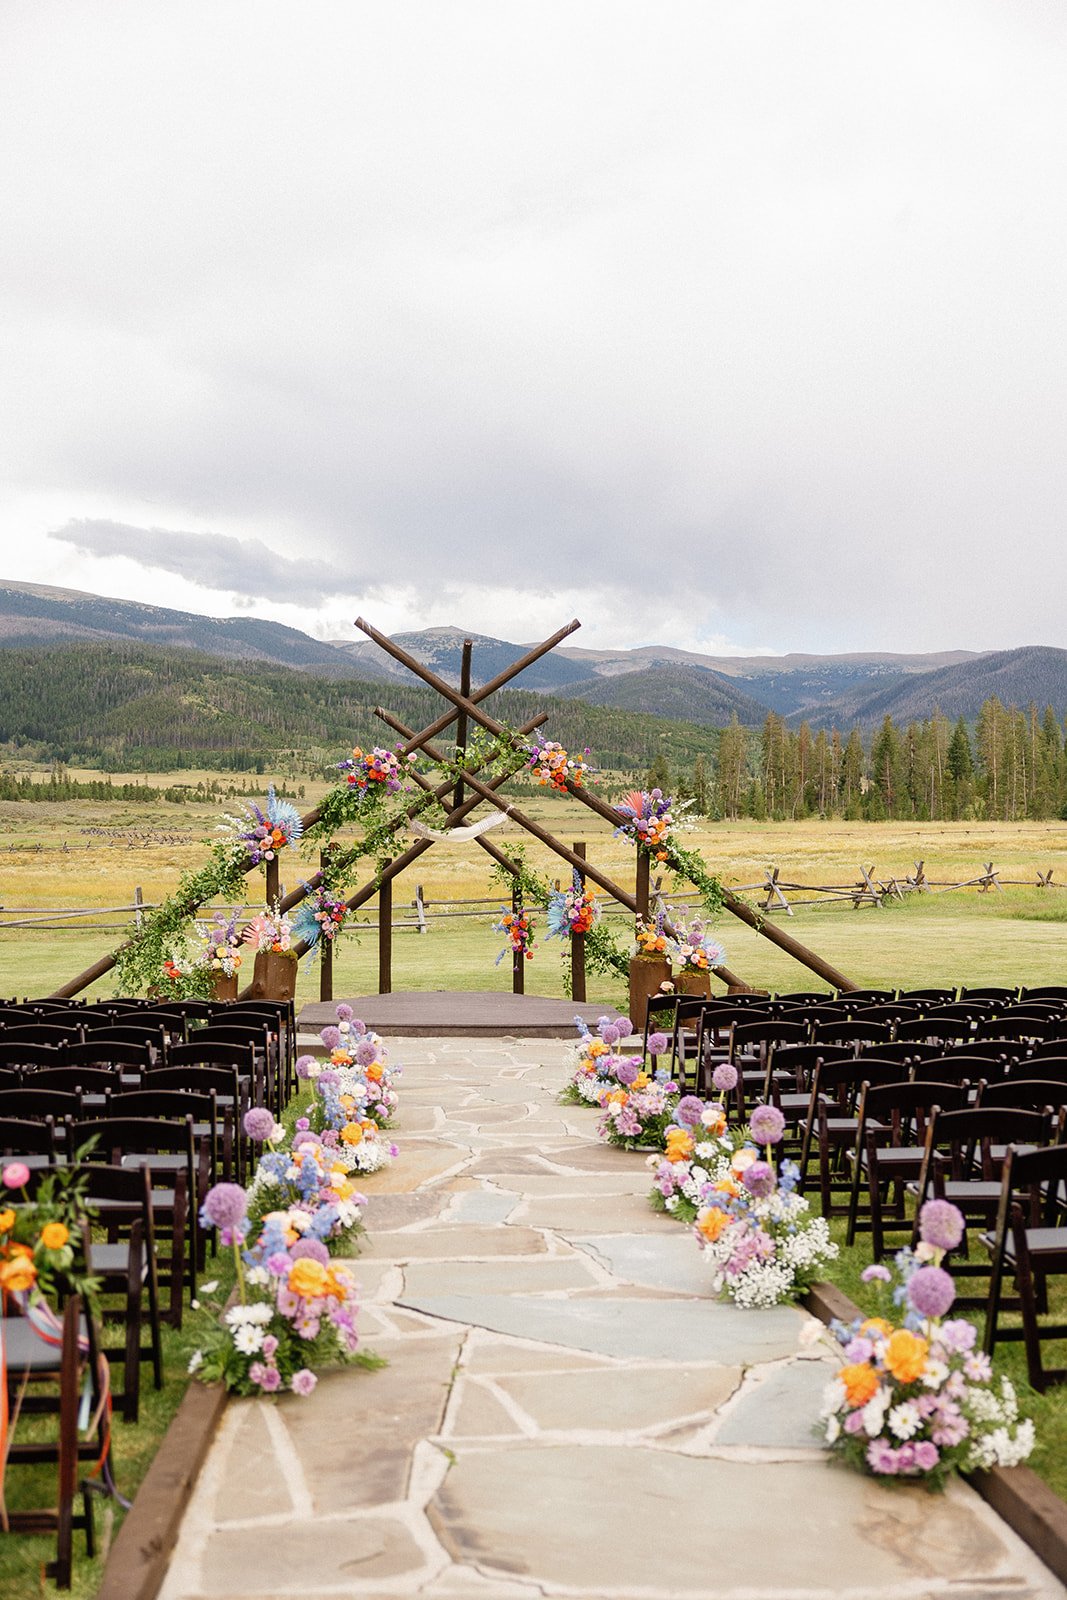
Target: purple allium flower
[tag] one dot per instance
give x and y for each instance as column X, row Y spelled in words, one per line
column 623, row 1027
column 366, row 1052
column 225, row 1206
column 303, row 1382
column 931, row 1291
column 941, row 1224
column 767, row 1124
column 331, row 1036
column 607, row 1032
column 759, row 1179
column 657, row 1043
column 271, row 1380
column 259, row 1123
column 689, row 1111
column 305, row 1136
column 724, row 1077
column 358, row 1026
column 626, row 1071
column 312, row 1249
column 958, row 1335
column 329, row 1079
column 876, row 1273
column 344, row 1012
column 304, row 1065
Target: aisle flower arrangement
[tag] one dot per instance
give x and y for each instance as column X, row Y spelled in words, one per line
column 594, row 1061
column 296, row 1309
column 354, row 1096
column 695, row 1145
column 648, row 819
column 302, row 1181
column 518, row 929
column 374, row 771
column 916, row 1398
column 759, row 1239
column 550, row 764
column 264, row 832
column 638, row 1112
column 322, row 916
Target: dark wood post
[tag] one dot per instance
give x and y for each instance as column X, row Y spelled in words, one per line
column 461, row 720
column 578, row 940
column 385, row 936
column 325, row 945
column 518, row 959
column 272, row 888
column 641, row 888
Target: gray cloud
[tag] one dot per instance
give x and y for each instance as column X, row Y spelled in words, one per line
column 248, row 567
column 750, row 315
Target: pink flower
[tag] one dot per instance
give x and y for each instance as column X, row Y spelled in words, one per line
column 16, row 1175
column 303, row 1381
column 271, row 1380
column 256, row 1371
column 270, row 1345
column 881, row 1457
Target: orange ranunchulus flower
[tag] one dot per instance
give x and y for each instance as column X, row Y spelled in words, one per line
column 742, row 1159
column 727, row 1186
column 308, row 1278
column 712, row 1222
column 641, row 1081
column 54, row 1235
column 374, row 1072
column 340, row 1057
column 7, row 1219
column 17, row 1274
column 905, row 1355
column 679, row 1145
column 876, row 1328
column 597, row 1048
column 861, row 1383
column 352, row 1133
column 618, row 1097
column 716, row 1126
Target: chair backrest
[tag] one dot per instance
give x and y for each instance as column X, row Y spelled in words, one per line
column 1037, row 1066
column 195, row 1078
column 935, row 1026
column 1023, row 1025
column 904, row 1108
column 104, row 1050
column 937, row 997
column 72, row 1080
column 31, row 1055
column 993, row 992
column 1045, row 991
column 865, row 997
column 21, row 1137
column 1029, row 1092
column 39, row 1033
column 965, row 1136
column 961, row 1065
column 1040, row 1176
column 213, row 1053
column 805, row 997
column 839, row 1082
column 767, row 1031
column 117, row 1135
column 902, row 1050
column 856, row 1031
column 35, row 1104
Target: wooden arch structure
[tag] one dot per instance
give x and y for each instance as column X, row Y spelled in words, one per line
column 464, row 791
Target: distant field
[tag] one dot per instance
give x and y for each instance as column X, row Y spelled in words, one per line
column 96, row 853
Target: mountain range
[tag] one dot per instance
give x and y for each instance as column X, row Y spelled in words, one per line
column 832, row 689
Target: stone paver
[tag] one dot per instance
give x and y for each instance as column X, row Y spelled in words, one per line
column 566, row 1411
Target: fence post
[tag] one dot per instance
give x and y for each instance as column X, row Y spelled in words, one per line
column 138, row 914
column 385, row 936
column 578, row 939
column 325, row 945
column 518, row 959
column 272, row 888
column 420, row 908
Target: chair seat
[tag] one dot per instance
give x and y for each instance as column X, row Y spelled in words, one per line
column 113, row 1260
column 26, row 1350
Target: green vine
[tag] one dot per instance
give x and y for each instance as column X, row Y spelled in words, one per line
column 139, row 965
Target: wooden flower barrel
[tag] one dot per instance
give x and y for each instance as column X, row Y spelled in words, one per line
column 274, row 976
column 225, row 986
column 692, row 981
column 647, row 974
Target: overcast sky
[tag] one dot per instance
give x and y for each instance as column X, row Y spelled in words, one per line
column 736, row 326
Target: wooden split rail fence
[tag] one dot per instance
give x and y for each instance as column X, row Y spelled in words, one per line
column 869, row 890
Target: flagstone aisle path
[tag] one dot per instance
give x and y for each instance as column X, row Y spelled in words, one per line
column 565, row 1412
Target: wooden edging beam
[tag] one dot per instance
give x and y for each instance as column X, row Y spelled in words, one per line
column 137, row 1563
column 1018, row 1496
column 736, row 907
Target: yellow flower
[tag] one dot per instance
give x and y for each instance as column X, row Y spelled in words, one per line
column 352, row 1133
column 712, row 1222
column 7, row 1219
column 308, row 1278
column 905, row 1355
column 876, row 1328
column 17, row 1274
column 54, row 1235
column 861, row 1383
column 641, row 1081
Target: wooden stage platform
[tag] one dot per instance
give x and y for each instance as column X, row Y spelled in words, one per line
column 426, row 1014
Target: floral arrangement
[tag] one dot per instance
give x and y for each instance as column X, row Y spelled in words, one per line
column 221, row 941
column 915, row 1398
column 550, row 764
column 296, row 1308
column 374, row 771
column 695, row 1145
column 321, row 916
column 355, row 1097
column 264, row 833
column 572, row 911
column 694, row 950
column 518, row 928
column 269, row 931
column 593, row 1069
column 637, row 1112
column 304, row 1183
column 650, row 941
column 648, row 819
column 760, row 1242
column 38, row 1261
